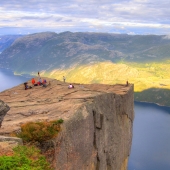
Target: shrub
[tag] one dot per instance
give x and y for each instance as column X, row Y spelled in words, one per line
column 24, row 158
column 39, row 131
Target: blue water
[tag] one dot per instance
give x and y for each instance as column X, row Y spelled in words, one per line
column 151, row 130
column 151, row 138
column 8, row 79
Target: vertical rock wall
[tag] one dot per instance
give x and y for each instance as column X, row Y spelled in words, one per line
column 98, row 136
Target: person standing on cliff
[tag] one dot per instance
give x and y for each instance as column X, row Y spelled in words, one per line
column 127, row 83
column 39, row 74
column 64, row 79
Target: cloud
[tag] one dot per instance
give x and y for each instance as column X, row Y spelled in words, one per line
column 127, row 16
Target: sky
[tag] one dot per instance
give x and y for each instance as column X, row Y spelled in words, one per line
column 109, row 16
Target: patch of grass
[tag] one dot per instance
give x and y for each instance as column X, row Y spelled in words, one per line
column 39, row 131
column 24, row 158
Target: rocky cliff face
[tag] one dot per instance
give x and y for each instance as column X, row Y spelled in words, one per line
column 4, row 108
column 97, row 129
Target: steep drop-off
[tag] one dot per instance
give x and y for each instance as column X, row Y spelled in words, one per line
column 97, row 129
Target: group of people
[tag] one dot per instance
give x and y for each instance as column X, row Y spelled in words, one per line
column 40, row 82
column 43, row 83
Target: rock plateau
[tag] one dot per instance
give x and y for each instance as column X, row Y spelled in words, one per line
column 98, row 119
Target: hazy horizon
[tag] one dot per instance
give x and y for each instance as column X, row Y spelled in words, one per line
column 83, row 32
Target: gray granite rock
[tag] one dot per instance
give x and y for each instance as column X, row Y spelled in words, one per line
column 4, row 108
column 11, row 139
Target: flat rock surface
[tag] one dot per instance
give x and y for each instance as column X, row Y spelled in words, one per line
column 49, row 103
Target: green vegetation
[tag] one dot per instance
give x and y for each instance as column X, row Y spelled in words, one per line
column 24, row 158
column 29, row 157
column 39, row 131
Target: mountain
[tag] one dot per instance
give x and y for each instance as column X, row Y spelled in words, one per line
column 48, row 51
column 7, row 40
column 93, row 58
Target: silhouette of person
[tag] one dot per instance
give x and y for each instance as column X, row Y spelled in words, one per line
column 64, row 79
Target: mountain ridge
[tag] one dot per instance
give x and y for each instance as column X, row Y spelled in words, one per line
column 113, row 47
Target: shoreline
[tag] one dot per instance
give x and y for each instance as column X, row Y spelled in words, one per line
column 157, row 104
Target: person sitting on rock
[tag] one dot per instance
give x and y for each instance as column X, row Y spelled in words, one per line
column 70, row 86
column 26, row 86
column 44, row 83
column 39, row 82
column 33, row 81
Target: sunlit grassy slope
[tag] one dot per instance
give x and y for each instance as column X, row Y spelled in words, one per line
column 143, row 75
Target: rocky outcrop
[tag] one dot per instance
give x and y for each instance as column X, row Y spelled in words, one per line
column 4, row 108
column 98, row 136
column 97, row 129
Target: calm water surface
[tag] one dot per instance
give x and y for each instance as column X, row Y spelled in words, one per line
column 151, row 138
column 8, row 79
column 151, row 130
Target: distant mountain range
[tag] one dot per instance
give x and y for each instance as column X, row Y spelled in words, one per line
column 48, row 50
column 93, row 58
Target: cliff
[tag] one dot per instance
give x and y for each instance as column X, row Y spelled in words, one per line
column 97, row 129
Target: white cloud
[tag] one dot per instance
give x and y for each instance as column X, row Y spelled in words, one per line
column 77, row 15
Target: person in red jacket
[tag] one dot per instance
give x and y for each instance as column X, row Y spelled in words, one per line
column 33, row 81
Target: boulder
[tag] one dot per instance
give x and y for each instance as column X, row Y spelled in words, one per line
column 4, row 108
